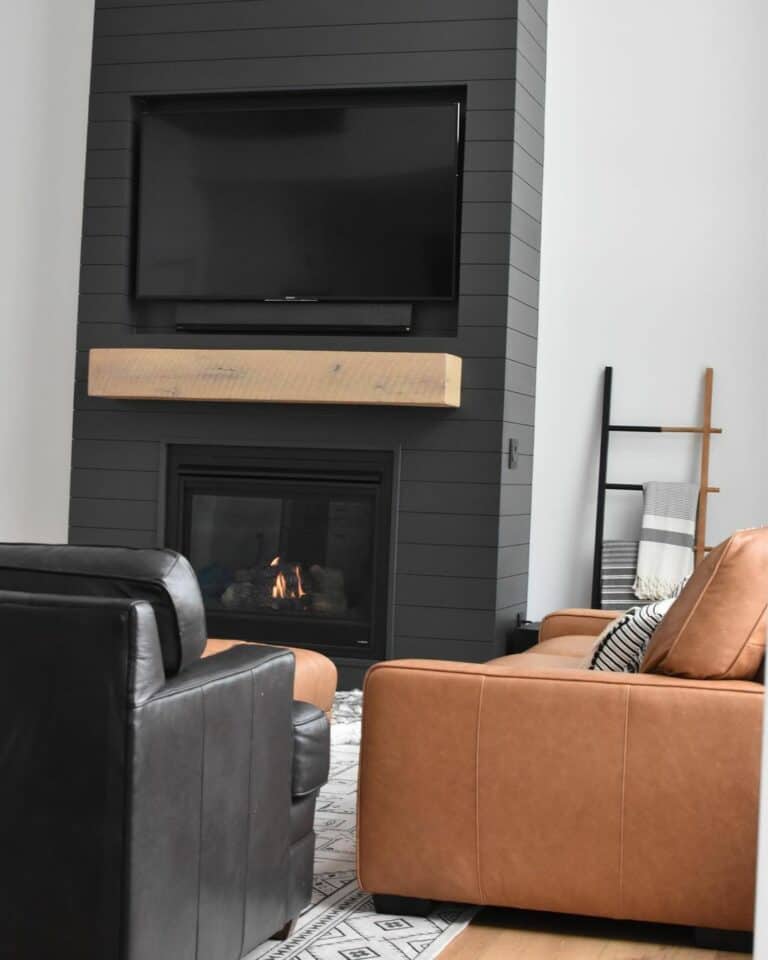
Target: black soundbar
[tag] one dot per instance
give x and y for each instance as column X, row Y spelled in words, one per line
column 294, row 317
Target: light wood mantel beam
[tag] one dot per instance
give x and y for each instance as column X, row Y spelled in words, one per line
column 276, row 376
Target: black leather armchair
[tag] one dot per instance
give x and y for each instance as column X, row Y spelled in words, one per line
column 152, row 804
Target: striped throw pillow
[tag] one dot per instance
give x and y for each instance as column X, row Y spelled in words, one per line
column 621, row 646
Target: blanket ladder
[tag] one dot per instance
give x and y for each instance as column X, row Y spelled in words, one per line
column 705, row 431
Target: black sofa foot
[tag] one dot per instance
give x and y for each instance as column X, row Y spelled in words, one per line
column 287, row 932
column 402, row 906
column 733, row 940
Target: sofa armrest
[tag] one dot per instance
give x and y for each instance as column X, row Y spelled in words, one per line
column 563, row 790
column 576, row 622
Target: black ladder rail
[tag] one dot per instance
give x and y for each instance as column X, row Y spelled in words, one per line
column 602, row 470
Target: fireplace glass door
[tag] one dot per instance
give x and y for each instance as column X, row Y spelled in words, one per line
column 287, row 548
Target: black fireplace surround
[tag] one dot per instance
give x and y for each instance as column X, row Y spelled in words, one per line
column 450, row 563
column 290, row 546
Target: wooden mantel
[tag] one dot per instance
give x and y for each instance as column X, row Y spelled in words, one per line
column 276, row 376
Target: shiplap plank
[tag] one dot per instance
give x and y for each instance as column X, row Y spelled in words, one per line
column 494, row 94
column 108, row 514
column 523, row 318
column 521, row 378
column 524, row 257
column 346, row 69
column 452, row 467
column 533, row 22
column 472, row 647
column 529, row 138
column 490, row 124
column 485, row 248
column 462, row 593
column 447, row 561
column 107, row 221
column 119, row 484
column 533, row 52
column 141, row 425
column 106, row 537
column 514, row 530
column 488, row 155
column 437, row 529
column 121, row 19
column 116, row 455
column 525, row 227
column 335, row 41
column 523, row 288
column 528, row 168
column 443, row 624
column 106, row 251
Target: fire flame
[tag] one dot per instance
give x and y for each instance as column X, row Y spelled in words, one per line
column 281, row 590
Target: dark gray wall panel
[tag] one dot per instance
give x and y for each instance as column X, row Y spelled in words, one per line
column 462, row 515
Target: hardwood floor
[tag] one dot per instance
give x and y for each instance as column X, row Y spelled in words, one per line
column 498, row 934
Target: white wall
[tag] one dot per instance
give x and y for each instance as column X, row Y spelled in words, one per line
column 654, row 261
column 44, row 74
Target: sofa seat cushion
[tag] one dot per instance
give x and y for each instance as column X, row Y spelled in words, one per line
column 315, row 678
column 579, row 646
column 533, row 659
column 716, row 627
column 311, row 749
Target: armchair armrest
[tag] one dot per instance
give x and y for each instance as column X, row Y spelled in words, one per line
column 209, row 806
column 588, row 623
column 613, row 795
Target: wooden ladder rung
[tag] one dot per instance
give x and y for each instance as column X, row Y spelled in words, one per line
column 709, row 430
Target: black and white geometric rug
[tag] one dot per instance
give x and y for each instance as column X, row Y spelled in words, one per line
column 340, row 923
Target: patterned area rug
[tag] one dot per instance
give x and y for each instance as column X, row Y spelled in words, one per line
column 340, row 923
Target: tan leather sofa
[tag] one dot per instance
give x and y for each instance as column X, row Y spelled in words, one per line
column 533, row 782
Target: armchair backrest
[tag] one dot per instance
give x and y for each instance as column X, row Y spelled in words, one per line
column 162, row 577
column 72, row 671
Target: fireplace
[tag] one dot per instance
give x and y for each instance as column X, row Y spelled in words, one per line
column 289, row 546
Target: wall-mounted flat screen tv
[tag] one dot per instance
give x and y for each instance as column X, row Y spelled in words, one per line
column 332, row 202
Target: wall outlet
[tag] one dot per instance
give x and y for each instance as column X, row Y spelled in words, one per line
column 513, row 455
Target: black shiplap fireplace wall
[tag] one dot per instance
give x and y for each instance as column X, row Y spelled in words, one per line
column 462, row 514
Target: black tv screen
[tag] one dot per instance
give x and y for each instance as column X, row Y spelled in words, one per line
column 353, row 202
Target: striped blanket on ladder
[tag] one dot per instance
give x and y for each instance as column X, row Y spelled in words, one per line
column 665, row 556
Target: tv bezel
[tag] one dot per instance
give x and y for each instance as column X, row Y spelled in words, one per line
column 205, row 103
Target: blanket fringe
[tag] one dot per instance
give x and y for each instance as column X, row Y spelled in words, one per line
column 655, row 588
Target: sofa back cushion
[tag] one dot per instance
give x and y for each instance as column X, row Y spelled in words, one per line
column 163, row 578
column 716, row 628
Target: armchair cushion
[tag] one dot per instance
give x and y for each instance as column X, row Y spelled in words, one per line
column 716, row 627
column 316, row 676
column 162, row 577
